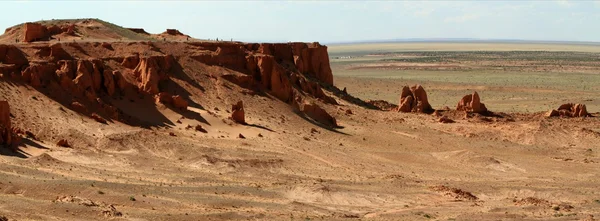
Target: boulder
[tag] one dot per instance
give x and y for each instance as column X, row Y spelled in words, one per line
column 179, row 102
column 163, row 97
column 63, row 143
column 471, row 103
column 445, row 120
column 318, row 114
column 237, row 112
column 34, row 32
column 98, row 118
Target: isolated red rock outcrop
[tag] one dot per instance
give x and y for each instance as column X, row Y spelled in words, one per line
column 237, row 112
column 6, row 136
column 569, row 110
column 471, row 103
column 318, row 114
column 414, row 99
column 34, row 32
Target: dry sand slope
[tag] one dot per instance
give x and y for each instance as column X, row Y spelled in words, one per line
column 145, row 163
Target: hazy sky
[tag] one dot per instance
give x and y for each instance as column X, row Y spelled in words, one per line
column 332, row 21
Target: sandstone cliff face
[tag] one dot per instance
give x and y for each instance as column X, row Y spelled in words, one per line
column 285, row 71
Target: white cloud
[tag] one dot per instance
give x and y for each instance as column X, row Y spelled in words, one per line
column 462, row 18
column 565, row 3
column 423, row 12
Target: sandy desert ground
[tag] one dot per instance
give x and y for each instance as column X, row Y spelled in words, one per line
column 374, row 165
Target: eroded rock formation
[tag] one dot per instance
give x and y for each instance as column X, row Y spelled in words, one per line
column 569, row 110
column 414, row 99
column 471, row 103
column 237, row 112
column 6, row 136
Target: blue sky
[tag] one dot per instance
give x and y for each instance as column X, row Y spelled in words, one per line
column 332, row 21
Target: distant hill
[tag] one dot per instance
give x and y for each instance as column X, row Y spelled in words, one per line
column 82, row 30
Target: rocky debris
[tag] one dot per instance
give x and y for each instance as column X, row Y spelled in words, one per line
column 172, row 134
column 471, row 103
column 383, row 105
column 445, row 120
column 3, row 218
column 63, row 143
column 98, row 118
column 111, row 211
column 6, row 131
column 237, row 112
column 455, row 193
column 349, row 112
column 569, row 110
column 77, row 200
column 241, row 136
column 414, row 99
column 318, row 114
column 179, row 102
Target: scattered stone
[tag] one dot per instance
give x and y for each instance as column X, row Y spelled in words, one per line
column 260, row 135
column 63, row 143
column 313, row 130
column 456, row 193
column 111, row 211
column 349, row 112
column 171, row 134
column 237, row 112
column 241, row 136
column 29, row 134
column 3, row 218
